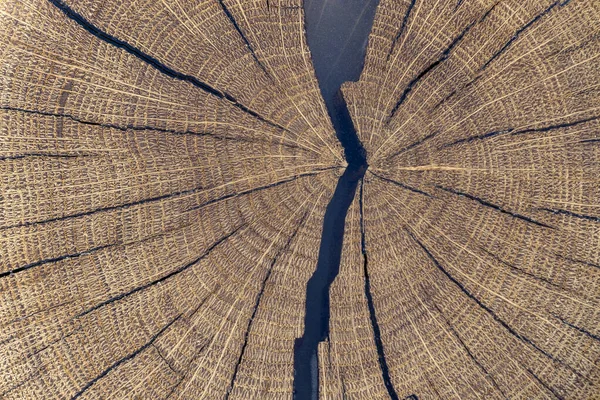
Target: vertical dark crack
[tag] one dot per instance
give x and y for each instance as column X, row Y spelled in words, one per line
column 257, row 302
column 385, row 373
column 323, row 46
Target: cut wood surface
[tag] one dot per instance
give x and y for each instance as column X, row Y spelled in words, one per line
column 165, row 167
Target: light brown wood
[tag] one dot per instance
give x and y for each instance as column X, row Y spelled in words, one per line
column 164, row 175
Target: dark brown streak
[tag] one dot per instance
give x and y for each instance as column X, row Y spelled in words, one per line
column 512, row 131
column 544, row 385
column 153, row 62
column 244, row 38
column 495, row 207
column 139, row 127
column 53, row 260
column 165, row 277
column 519, row 270
column 571, row 214
column 521, row 30
column 580, row 329
column 496, row 318
column 42, row 155
column 445, row 55
column 413, row 145
column 402, row 28
column 402, row 185
column 469, row 353
column 124, row 359
column 257, row 303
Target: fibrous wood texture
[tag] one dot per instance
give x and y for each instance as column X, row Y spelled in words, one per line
column 165, row 167
column 481, row 204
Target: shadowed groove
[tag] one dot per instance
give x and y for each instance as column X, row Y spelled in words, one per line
column 54, row 260
column 518, row 33
column 244, row 38
column 165, row 277
column 496, row 318
column 545, row 385
column 385, row 372
column 402, row 27
column 402, row 185
column 486, row 373
column 139, row 128
column 124, row 359
column 445, row 54
column 257, row 303
column 150, row 60
column 513, row 132
column 167, row 196
column 494, row 206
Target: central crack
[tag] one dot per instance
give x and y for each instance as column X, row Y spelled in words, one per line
column 346, row 48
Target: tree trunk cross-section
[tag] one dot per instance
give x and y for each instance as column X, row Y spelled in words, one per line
column 166, row 167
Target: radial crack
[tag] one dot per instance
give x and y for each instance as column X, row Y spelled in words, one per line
column 53, row 260
column 165, row 277
column 521, row 30
column 496, row 318
column 124, row 359
column 445, row 54
column 494, row 206
column 257, row 304
column 152, row 61
column 385, row 373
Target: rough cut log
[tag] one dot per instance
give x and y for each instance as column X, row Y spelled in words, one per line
column 165, row 167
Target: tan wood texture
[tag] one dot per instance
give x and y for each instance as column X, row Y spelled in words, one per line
column 165, row 167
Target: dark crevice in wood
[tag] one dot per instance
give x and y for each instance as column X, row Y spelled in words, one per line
column 106, row 209
column 445, row 54
column 519, row 270
column 445, row 99
column 242, row 35
column 589, row 264
column 257, row 303
column 412, row 397
column 35, row 371
column 385, row 373
column 124, row 359
column 580, row 329
column 153, row 62
column 43, row 155
column 496, row 318
column 164, row 359
column 512, row 131
column 521, row 30
column 271, row 185
column 494, row 206
column 165, row 277
column 486, row 373
column 402, row 185
column 545, row 385
column 53, row 260
column 559, row 211
column 479, row 137
column 163, row 197
column 126, row 128
column 413, row 145
column 402, row 28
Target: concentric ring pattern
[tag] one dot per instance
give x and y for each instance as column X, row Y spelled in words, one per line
column 165, row 167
